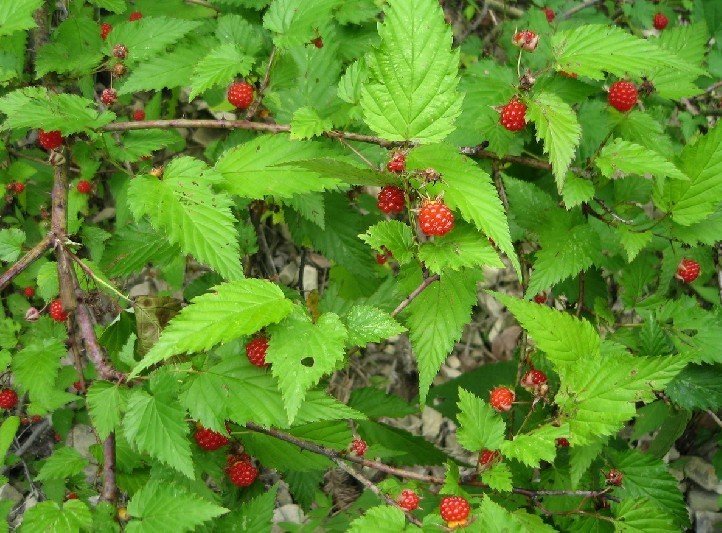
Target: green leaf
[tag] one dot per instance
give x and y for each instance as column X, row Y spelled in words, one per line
column 576, row 191
column 436, row 320
column 306, row 123
column 480, row 427
column 563, row 254
column 349, row 173
column 35, row 107
column 36, row 366
column 498, row 477
column 463, row 247
column 106, row 403
column 219, row 67
column 157, row 426
column 135, row 145
column 535, row 446
column 382, row 518
column 256, row 514
column 641, row 516
column 376, row 403
column 295, row 21
column 298, row 366
column 234, row 309
column 133, row 246
column 395, row 236
column 581, row 458
column 412, row 92
column 265, row 167
column 72, row 517
column 183, row 205
column 64, row 463
column 366, row 324
column 169, row 70
column 565, row 339
column 148, row 37
column 75, row 48
column 702, row 162
column 8, row 429
column 647, row 477
column 688, row 42
column 557, row 126
column 591, row 50
column 17, row 15
column 11, row 244
column 116, row 6
column 621, row 158
column 468, row 189
column 633, row 241
column 163, row 506
column 493, row 517
column 697, row 387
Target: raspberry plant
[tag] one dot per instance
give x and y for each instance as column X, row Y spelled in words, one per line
column 245, row 244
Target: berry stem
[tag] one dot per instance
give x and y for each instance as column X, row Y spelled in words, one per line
column 264, row 85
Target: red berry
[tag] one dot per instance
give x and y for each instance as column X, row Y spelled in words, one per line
column 84, row 187
column 513, row 115
column 381, row 259
column 78, row 385
column 138, row 115
column 35, row 419
column 487, row 457
column 687, row 270
column 622, row 95
column 408, row 500
column 105, row 30
column 541, row 298
column 135, row 15
column 533, row 377
column 358, row 446
column 256, row 351
column 526, row 40
column 120, row 51
column 397, row 163
column 50, row 140
column 16, row 187
column 501, row 398
column 71, row 496
column 660, row 21
column 435, row 218
column 234, row 458
column 8, row 399
column 454, row 509
column 109, row 96
column 317, row 42
column 210, row 440
column 549, row 12
column 57, row 312
column 240, row 94
column 391, row 200
column 242, row 473
column 562, row 442
column 29, row 292
column 614, row 477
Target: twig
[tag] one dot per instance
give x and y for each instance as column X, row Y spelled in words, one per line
column 38, row 430
column 713, row 87
column 714, row 417
column 25, row 261
column 374, row 488
column 262, row 88
column 204, row 4
column 577, row 9
column 110, row 489
column 418, row 290
column 92, row 347
column 85, row 268
column 580, row 300
column 262, row 242
column 509, row 10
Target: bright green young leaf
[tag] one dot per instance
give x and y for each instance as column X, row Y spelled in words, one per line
column 106, row 403
column 576, row 191
column 641, row 516
column 233, row 310
column 184, row 207
column 219, row 67
column 133, row 246
column 71, row 517
column 620, row 158
column 156, row 425
column 36, row 366
column 395, row 236
column 170, row 507
column 498, row 477
column 64, row 463
column 633, row 241
column 8, row 429
column 382, row 518
column 306, row 123
column 256, row 514
column 535, row 446
column 11, row 242
column 298, row 366
column 557, row 126
column 480, row 427
column 412, row 92
column 436, row 319
column 370, row 324
column 294, row 21
column 164, row 71
column 494, row 517
column 17, row 15
column 463, row 247
column 148, row 37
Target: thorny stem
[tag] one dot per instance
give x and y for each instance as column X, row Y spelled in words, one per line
column 418, row 290
column 25, row 261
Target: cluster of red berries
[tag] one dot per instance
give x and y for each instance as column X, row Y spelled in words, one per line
column 209, row 440
column 50, row 140
column 240, row 94
column 526, row 40
column 487, row 458
column 15, row 187
column 513, row 115
column 241, row 471
column 408, row 500
column 502, row 398
column 8, row 399
column 391, row 200
column 687, row 270
column 84, row 187
column 256, row 351
column 56, row 311
column 358, row 446
column 397, row 163
column 454, row 510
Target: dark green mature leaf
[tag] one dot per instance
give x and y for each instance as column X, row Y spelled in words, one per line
column 376, row 403
column 697, row 387
column 133, row 246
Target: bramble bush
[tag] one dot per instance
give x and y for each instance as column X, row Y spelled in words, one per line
column 218, row 213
